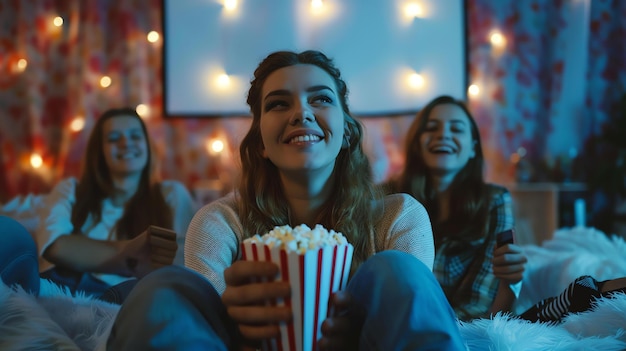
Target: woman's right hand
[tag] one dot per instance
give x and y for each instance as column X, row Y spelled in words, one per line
column 249, row 295
column 509, row 263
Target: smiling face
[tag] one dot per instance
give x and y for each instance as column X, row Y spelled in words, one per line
column 302, row 121
column 446, row 143
column 124, row 145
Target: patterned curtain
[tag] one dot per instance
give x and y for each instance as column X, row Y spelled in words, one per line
column 606, row 72
column 552, row 85
column 52, row 72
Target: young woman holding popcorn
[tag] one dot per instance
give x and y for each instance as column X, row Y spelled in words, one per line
column 302, row 163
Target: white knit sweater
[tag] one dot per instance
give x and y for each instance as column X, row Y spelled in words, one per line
column 216, row 230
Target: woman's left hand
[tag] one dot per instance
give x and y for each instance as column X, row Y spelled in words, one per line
column 340, row 332
column 509, row 263
column 154, row 248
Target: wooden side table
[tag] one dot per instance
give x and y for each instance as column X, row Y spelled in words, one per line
column 536, row 209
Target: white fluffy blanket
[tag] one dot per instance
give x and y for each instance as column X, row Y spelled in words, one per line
column 570, row 253
column 56, row 320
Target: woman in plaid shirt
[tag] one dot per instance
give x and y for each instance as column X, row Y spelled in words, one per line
column 444, row 171
column 479, row 275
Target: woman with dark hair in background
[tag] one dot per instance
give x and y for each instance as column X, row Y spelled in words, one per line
column 108, row 226
column 444, row 171
column 477, row 263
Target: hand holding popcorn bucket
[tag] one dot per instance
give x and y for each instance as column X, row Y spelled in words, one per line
column 316, row 263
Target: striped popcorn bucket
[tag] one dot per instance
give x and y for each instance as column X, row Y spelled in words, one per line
column 313, row 277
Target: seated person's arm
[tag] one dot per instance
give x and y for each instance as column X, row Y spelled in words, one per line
column 211, row 249
column 508, row 259
column 411, row 231
column 83, row 254
column 76, row 252
column 153, row 248
column 183, row 209
column 508, row 265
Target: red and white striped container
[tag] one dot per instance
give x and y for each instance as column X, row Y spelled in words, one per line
column 313, row 277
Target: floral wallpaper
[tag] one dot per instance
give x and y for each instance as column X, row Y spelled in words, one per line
column 55, row 79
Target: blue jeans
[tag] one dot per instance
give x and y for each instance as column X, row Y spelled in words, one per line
column 76, row 281
column 18, row 256
column 405, row 309
column 19, row 266
column 86, row 283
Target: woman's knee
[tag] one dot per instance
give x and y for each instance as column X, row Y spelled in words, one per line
column 18, row 255
column 177, row 280
column 166, row 277
column 394, row 270
column 393, row 261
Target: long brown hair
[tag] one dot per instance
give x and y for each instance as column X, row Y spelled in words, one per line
column 263, row 204
column 469, row 193
column 147, row 206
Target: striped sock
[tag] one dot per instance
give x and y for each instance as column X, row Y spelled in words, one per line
column 577, row 297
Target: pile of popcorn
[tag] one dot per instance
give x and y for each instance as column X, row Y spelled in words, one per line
column 299, row 239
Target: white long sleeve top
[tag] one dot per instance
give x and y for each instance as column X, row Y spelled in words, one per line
column 55, row 219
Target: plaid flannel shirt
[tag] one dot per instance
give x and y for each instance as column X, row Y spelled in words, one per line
column 449, row 268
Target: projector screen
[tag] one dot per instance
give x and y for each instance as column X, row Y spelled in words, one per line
column 393, row 57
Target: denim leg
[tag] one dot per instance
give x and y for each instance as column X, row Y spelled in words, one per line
column 404, row 305
column 18, row 256
column 75, row 281
column 117, row 293
column 172, row 308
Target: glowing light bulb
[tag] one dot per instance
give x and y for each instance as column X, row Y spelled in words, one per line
column 214, row 146
column 78, row 123
column 497, row 39
column 473, row 90
column 153, row 36
column 223, row 80
column 105, row 81
column 416, row 80
column 21, row 64
column 413, row 10
column 58, row 21
column 142, row 110
column 230, row 5
column 217, row 146
column 316, row 4
column 35, row 160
